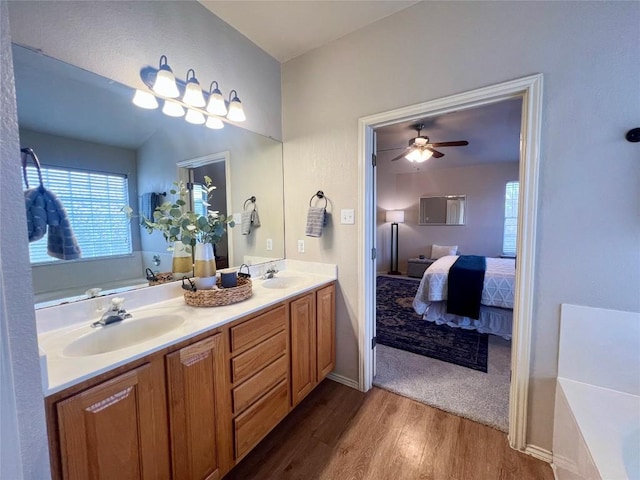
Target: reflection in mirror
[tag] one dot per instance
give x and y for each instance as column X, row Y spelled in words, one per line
column 444, row 210
column 84, row 124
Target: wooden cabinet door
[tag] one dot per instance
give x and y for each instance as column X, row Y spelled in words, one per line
column 326, row 330
column 117, row 429
column 303, row 347
column 198, row 407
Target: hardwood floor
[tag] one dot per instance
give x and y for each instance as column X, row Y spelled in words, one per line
column 339, row 433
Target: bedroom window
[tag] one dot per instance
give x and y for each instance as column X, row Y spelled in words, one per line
column 93, row 201
column 510, row 234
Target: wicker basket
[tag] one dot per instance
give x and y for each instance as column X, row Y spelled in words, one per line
column 160, row 278
column 221, row 296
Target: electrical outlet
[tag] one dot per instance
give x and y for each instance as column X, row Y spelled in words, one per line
column 269, row 244
column 347, row 216
column 300, row 246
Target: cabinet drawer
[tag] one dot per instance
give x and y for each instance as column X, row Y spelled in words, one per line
column 261, row 382
column 256, row 358
column 257, row 329
column 251, row 426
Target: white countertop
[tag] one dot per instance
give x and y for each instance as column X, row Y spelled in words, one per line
column 62, row 325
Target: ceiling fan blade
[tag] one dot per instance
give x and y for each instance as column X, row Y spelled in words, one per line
column 460, row 143
column 398, row 157
column 436, row 154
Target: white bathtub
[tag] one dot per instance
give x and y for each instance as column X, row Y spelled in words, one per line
column 597, row 410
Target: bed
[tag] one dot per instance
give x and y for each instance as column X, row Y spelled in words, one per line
column 498, row 292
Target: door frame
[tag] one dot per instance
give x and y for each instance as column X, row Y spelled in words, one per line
column 530, row 90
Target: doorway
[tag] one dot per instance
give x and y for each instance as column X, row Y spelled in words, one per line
column 530, row 90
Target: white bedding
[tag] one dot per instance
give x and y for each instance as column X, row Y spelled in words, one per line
column 498, row 289
column 498, row 292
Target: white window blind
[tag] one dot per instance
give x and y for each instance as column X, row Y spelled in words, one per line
column 93, row 202
column 199, row 199
column 510, row 234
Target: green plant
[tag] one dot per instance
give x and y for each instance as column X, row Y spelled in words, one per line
column 179, row 225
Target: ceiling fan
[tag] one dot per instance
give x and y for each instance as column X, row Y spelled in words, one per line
column 420, row 149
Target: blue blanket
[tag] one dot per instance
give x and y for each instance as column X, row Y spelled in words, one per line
column 465, row 283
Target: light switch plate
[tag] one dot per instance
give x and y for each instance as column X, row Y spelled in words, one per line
column 347, row 216
column 300, row 246
column 269, row 244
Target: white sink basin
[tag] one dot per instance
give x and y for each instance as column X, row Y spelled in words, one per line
column 281, row 282
column 121, row 335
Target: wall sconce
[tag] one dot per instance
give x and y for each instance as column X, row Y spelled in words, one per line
column 395, row 217
column 179, row 95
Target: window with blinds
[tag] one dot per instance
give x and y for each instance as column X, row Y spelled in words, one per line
column 93, row 201
column 510, row 235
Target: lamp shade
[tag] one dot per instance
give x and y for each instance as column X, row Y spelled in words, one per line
column 419, row 156
column 193, row 93
column 214, row 123
column 236, row 112
column 216, row 103
column 165, row 83
column 145, row 100
column 172, row 109
column 395, row 216
column 195, row 117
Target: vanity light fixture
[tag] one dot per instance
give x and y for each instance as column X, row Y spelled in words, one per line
column 201, row 107
column 236, row 112
column 193, row 93
column 194, row 116
column 172, row 109
column 165, row 82
column 145, row 100
column 216, row 104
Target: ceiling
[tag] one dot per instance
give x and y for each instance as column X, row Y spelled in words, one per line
column 283, row 30
column 493, row 133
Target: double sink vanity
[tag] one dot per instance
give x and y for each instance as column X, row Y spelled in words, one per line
column 177, row 391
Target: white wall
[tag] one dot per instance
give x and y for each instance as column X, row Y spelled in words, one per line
column 23, row 441
column 588, row 222
column 117, row 38
column 484, row 186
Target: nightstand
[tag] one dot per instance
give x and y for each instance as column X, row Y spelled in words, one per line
column 417, row 266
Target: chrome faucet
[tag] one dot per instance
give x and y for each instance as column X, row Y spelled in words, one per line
column 115, row 314
column 270, row 273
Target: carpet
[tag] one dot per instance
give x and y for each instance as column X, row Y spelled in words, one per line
column 399, row 326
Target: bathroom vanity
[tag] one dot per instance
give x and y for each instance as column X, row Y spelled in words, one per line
column 192, row 402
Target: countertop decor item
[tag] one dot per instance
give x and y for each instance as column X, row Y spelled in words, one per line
column 220, row 296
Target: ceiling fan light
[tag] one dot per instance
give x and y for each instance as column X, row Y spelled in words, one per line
column 144, row 99
column 195, row 117
column 172, row 109
column 165, row 83
column 418, row 155
column 193, row 93
column 214, row 123
column 216, row 105
column 236, row 112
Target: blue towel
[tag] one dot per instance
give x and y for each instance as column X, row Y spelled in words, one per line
column 45, row 210
column 464, row 285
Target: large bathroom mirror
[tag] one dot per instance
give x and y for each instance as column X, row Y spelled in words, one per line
column 86, row 126
column 444, row 210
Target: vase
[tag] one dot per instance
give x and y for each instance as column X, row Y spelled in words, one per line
column 181, row 263
column 205, row 266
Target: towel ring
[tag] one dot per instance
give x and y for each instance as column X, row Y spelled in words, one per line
column 251, row 199
column 26, row 153
column 320, row 194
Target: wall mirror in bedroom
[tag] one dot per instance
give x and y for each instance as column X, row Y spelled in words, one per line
column 444, row 210
column 86, row 126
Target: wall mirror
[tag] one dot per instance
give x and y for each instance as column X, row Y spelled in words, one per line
column 443, row 210
column 83, row 122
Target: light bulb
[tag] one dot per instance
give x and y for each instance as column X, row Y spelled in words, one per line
column 193, row 93
column 214, row 123
column 216, row 103
column 418, row 155
column 172, row 109
column 165, row 83
column 144, row 99
column 236, row 112
column 195, row 117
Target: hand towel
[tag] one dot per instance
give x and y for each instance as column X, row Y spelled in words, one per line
column 315, row 221
column 255, row 219
column 44, row 209
column 146, row 210
column 245, row 223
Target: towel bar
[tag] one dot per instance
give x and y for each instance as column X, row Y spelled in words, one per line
column 320, row 194
column 251, row 199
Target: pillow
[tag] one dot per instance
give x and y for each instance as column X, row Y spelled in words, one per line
column 438, row 251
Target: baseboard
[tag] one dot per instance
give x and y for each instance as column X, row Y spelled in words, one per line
column 539, row 453
column 344, row 380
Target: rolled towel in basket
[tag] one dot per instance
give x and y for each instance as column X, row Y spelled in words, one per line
column 315, row 221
